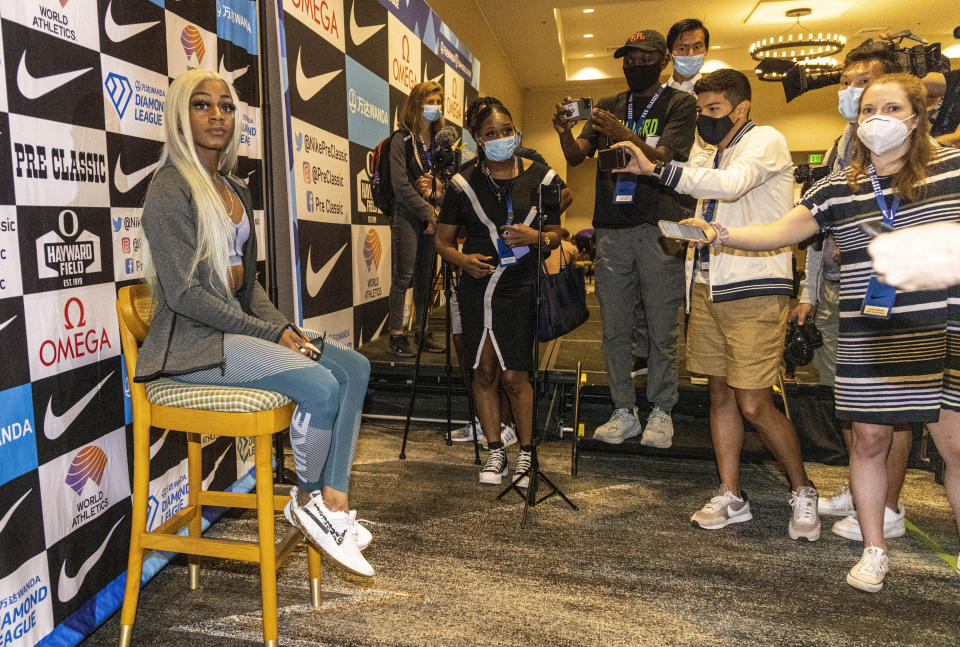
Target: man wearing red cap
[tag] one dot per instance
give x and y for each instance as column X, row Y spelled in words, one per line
column 633, row 261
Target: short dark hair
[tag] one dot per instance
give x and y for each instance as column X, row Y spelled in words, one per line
column 470, row 116
column 682, row 27
column 734, row 85
column 871, row 50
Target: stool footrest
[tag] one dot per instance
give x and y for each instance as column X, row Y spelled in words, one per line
column 225, row 548
column 239, row 499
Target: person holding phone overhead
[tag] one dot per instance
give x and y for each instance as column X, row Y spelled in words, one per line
column 898, row 359
column 495, row 201
column 212, row 323
column 738, row 302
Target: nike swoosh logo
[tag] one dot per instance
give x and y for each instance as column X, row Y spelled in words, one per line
column 207, row 481
column 13, row 508
column 124, row 182
column 359, row 35
column 119, row 33
column 232, row 76
column 308, row 86
column 7, row 322
column 70, row 586
column 54, row 426
column 315, row 280
column 434, row 79
column 155, row 447
column 33, row 88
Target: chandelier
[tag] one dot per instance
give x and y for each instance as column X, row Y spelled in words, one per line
column 779, row 53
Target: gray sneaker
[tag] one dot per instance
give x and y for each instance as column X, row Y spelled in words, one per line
column 465, row 433
column 623, row 424
column 659, row 430
column 722, row 510
column 804, row 522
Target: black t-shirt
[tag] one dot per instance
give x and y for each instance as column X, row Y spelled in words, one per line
column 672, row 120
column 949, row 116
column 458, row 208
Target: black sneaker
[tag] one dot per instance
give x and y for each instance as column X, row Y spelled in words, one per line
column 400, row 345
column 430, row 344
column 639, row 366
column 495, row 468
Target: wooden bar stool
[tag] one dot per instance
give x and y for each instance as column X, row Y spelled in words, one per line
column 217, row 411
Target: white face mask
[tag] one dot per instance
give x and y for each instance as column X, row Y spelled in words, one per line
column 849, row 102
column 881, row 133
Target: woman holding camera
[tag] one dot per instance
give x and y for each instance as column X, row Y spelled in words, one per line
column 414, row 219
column 212, row 323
column 898, row 359
column 495, row 201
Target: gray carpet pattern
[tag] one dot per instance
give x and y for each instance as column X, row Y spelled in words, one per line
column 455, row 569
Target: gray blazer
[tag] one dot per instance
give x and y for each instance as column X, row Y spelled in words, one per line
column 186, row 333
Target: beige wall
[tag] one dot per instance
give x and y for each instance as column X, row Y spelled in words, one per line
column 809, row 122
column 496, row 77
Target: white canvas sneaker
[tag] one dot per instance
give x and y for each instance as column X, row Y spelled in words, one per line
column 623, row 424
column 869, row 572
column 495, row 468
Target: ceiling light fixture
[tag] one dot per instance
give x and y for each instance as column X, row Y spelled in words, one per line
column 589, row 55
column 588, row 35
column 588, row 11
column 802, row 47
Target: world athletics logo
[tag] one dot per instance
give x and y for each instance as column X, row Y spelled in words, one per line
column 372, row 250
column 192, row 42
column 89, row 463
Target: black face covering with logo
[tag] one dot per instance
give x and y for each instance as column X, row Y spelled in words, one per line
column 641, row 77
column 713, row 129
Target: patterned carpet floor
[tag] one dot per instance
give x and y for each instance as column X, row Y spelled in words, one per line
column 454, row 568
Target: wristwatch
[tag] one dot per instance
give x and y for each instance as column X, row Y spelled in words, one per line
column 657, row 170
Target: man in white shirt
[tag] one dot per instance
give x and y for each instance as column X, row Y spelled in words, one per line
column 688, row 41
column 738, row 302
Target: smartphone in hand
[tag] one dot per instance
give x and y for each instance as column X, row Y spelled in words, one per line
column 671, row 229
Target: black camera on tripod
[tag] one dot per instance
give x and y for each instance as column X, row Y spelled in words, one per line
column 917, row 59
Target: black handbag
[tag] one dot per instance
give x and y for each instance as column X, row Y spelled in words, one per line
column 563, row 301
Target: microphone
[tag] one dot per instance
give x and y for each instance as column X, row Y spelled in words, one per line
column 447, row 137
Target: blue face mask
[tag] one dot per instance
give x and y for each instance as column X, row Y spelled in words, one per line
column 849, row 102
column 432, row 113
column 688, row 65
column 500, row 150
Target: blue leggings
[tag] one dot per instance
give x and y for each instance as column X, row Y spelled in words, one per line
column 329, row 396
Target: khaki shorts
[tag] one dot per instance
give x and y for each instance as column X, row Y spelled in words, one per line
column 741, row 340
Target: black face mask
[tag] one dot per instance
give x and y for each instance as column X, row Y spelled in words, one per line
column 713, row 129
column 641, row 77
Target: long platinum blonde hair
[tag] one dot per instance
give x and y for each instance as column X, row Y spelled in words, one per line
column 213, row 222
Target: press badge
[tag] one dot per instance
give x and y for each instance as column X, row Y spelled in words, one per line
column 626, row 187
column 878, row 301
column 506, row 254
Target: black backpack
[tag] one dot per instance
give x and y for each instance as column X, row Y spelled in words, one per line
column 381, row 185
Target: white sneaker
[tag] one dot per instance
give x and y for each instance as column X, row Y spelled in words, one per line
column 332, row 532
column 495, row 468
column 869, row 572
column 894, row 525
column 623, row 424
column 508, row 434
column 465, row 433
column 659, row 430
column 722, row 510
column 524, row 464
column 804, row 522
column 840, row 505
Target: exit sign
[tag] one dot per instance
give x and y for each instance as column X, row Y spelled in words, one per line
column 816, row 158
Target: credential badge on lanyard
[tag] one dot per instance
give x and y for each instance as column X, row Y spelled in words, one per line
column 627, row 182
column 880, row 297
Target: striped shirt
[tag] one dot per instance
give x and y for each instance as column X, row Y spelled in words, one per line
column 904, row 368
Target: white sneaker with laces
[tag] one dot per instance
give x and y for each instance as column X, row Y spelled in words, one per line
column 894, row 525
column 332, row 532
column 840, row 505
column 659, row 430
column 495, row 468
column 361, row 534
column 465, row 433
column 722, row 510
column 524, row 464
column 623, row 424
column 869, row 572
column 804, row 522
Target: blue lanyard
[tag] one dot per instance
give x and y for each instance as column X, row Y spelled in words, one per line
column 889, row 213
column 711, row 206
column 426, row 152
column 637, row 126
